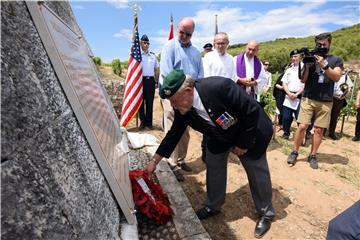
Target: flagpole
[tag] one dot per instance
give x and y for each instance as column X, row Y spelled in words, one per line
column 133, row 92
column 216, row 27
column 136, row 7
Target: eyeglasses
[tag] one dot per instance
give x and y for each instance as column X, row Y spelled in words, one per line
column 185, row 33
column 145, row 43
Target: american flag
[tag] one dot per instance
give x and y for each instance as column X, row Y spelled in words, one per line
column 171, row 33
column 133, row 83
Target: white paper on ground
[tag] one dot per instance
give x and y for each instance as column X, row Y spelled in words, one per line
column 139, row 140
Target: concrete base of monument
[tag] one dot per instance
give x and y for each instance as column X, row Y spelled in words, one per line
column 185, row 224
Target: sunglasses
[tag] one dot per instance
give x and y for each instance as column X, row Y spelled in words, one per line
column 266, row 64
column 185, row 33
column 145, row 43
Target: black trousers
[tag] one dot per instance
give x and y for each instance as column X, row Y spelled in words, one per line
column 335, row 112
column 357, row 126
column 146, row 108
column 258, row 175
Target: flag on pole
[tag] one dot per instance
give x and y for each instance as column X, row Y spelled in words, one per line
column 216, row 24
column 171, row 33
column 133, row 84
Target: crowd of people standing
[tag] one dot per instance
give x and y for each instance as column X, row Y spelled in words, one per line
column 219, row 95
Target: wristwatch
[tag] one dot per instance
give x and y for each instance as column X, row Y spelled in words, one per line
column 326, row 65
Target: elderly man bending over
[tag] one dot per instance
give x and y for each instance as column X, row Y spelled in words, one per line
column 233, row 121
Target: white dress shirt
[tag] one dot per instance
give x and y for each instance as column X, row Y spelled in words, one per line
column 200, row 109
column 216, row 64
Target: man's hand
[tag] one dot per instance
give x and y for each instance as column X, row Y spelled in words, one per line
column 151, row 166
column 320, row 61
column 292, row 96
column 239, row 151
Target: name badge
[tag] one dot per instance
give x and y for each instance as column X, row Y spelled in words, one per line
column 225, row 120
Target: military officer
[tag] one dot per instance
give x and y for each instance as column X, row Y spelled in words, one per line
column 150, row 70
column 234, row 122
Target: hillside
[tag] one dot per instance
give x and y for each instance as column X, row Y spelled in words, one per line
column 345, row 43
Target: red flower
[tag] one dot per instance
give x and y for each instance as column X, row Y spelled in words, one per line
column 149, row 197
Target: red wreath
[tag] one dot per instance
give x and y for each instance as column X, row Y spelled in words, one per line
column 149, row 197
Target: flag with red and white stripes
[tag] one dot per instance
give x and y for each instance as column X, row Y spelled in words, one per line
column 171, row 33
column 133, row 84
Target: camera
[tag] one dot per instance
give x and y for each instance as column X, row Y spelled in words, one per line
column 309, row 54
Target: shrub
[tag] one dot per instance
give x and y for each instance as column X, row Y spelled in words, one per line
column 116, row 66
column 97, row 61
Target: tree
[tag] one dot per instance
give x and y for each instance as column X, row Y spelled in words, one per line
column 116, row 66
column 97, row 61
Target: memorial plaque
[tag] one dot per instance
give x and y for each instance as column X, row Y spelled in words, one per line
column 70, row 58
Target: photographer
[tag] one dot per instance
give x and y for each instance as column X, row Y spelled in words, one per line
column 319, row 74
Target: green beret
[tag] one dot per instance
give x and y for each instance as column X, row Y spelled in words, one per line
column 172, row 82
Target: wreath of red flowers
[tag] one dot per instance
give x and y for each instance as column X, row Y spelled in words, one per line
column 149, row 197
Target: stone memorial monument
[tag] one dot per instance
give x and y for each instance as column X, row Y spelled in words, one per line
column 64, row 158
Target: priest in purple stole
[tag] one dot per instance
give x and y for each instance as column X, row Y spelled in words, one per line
column 250, row 71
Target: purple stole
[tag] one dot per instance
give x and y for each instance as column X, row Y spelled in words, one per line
column 241, row 69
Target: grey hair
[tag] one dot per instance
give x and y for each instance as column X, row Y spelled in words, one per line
column 188, row 82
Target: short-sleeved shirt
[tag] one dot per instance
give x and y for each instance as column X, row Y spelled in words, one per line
column 291, row 78
column 149, row 64
column 321, row 88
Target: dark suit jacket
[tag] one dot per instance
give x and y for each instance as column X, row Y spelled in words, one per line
column 252, row 129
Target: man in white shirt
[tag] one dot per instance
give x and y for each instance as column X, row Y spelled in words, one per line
column 219, row 62
column 293, row 88
column 250, row 71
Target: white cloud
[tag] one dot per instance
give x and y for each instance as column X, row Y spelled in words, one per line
column 301, row 19
column 79, row 7
column 119, row 3
column 124, row 33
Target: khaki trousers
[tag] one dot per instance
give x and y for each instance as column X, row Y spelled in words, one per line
column 180, row 151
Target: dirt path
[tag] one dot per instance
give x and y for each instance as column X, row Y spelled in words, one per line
column 304, row 199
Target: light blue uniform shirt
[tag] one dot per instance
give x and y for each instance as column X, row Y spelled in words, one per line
column 149, row 64
column 176, row 56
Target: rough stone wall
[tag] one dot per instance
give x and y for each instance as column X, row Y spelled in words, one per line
column 51, row 184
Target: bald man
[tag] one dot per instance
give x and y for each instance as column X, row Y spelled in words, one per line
column 250, row 71
column 179, row 53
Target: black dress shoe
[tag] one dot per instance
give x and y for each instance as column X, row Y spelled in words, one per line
column 333, row 136
column 185, row 167
column 178, row 175
column 263, row 225
column 206, row 212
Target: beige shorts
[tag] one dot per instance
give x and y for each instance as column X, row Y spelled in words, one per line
column 322, row 111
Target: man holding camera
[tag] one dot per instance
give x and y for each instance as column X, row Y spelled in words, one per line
column 319, row 74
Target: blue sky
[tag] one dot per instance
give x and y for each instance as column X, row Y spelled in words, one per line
column 107, row 25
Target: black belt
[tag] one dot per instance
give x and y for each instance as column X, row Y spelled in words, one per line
column 148, row 77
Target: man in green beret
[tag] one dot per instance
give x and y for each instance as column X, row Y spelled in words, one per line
column 234, row 122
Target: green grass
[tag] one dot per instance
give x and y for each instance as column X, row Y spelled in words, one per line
column 348, row 173
column 345, row 43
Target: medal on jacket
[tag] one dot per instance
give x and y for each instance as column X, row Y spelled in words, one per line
column 225, row 120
